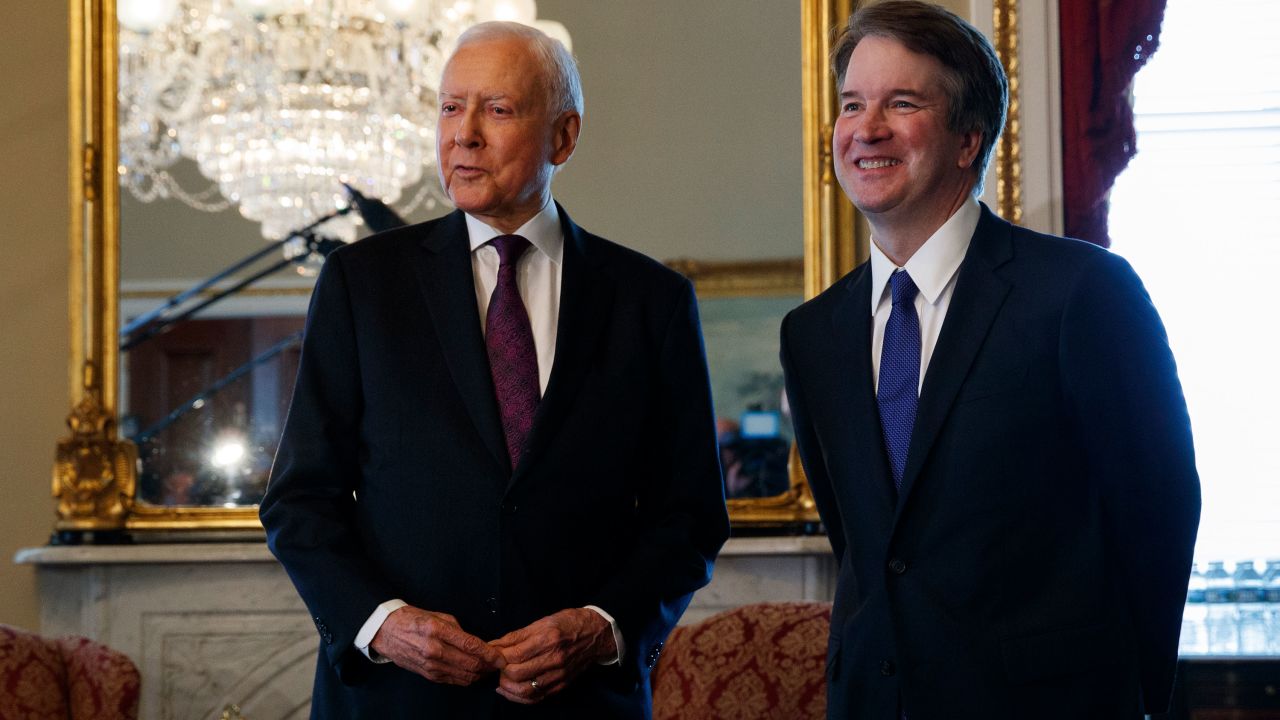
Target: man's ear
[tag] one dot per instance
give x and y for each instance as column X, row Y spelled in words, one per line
column 564, row 138
column 970, row 145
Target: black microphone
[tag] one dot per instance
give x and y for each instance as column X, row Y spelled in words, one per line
column 377, row 214
column 322, row 245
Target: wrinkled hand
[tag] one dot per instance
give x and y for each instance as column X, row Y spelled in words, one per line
column 434, row 646
column 552, row 651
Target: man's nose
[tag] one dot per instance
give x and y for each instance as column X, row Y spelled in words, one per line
column 467, row 133
column 871, row 127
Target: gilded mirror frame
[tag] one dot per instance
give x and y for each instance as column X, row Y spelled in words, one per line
column 95, row 471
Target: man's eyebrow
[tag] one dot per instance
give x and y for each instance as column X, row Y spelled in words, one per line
column 491, row 96
column 897, row 92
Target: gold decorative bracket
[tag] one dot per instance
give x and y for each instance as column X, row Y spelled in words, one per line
column 95, row 474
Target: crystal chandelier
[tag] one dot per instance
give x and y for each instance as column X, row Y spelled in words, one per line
column 279, row 102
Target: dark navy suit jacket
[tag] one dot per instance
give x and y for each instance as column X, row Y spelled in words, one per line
column 392, row 478
column 1035, row 562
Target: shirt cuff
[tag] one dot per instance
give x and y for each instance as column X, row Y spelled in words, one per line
column 617, row 636
column 371, row 626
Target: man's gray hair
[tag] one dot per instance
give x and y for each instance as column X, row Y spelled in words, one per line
column 559, row 70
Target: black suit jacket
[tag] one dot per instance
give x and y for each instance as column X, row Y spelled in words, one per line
column 392, row 478
column 1035, row 562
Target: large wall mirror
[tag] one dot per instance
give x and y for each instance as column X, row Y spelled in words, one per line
column 705, row 144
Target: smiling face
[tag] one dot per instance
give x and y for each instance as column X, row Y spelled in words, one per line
column 497, row 144
column 894, row 155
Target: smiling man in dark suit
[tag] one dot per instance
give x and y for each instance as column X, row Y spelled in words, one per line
column 990, row 420
column 498, row 485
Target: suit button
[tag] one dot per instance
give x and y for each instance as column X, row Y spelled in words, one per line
column 492, row 604
column 897, row 566
column 510, row 508
column 886, row 668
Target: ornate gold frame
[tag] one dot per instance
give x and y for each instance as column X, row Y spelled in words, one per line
column 94, row 477
column 95, row 474
column 1009, row 150
column 737, row 278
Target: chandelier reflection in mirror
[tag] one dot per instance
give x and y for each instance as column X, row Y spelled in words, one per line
column 279, row 102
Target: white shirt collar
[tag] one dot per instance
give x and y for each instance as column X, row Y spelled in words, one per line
column 936, row 262
column 542, row 231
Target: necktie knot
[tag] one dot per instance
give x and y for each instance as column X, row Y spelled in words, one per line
column 510, row 248
column 903, row 287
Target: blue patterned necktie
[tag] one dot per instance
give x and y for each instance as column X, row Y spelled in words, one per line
column 898, row 392
column 513, row 359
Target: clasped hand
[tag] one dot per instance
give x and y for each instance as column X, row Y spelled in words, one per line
column 551, row 651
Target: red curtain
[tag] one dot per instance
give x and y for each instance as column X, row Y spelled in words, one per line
column 1104, row 44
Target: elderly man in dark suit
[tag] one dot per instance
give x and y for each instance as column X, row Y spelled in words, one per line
column 990, row 420
column 498, row 485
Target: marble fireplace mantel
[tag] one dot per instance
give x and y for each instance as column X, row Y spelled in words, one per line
column 214, row 624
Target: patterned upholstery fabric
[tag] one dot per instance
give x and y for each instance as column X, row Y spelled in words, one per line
column 101, row 682
column 67, row 678
column 758, row 662
column 33, row 679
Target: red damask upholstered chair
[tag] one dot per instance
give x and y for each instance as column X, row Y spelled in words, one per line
column 67, row 678
column 757, row 662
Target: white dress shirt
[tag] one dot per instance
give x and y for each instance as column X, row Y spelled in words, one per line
column 933, row 268
column 538, row 275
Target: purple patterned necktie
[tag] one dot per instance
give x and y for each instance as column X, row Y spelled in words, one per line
column 513, row 359
column 899, row 387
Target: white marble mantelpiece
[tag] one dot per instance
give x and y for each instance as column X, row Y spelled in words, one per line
column 209, row 624
column 766, row 569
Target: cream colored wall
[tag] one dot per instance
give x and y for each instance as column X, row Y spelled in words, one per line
column 33, row 285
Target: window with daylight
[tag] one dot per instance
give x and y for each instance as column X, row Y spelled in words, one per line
column 1197, row 213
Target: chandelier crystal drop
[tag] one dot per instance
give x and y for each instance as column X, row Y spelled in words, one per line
column 279, row 102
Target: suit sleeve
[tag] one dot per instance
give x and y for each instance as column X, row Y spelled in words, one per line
column 682, row 517
column 1122, row 385
column 309, row 507
column 810, row 447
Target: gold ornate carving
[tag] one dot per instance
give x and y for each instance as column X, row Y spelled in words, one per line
column 1009, row 149
column 753, row 278
column 793, row 508
column 95, row 475
column 90, row 173
column 833, row 244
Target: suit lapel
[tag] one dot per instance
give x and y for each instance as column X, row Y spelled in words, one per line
column 854, row 402
column 979, row 294
column 445, row 278
column 585, row 301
